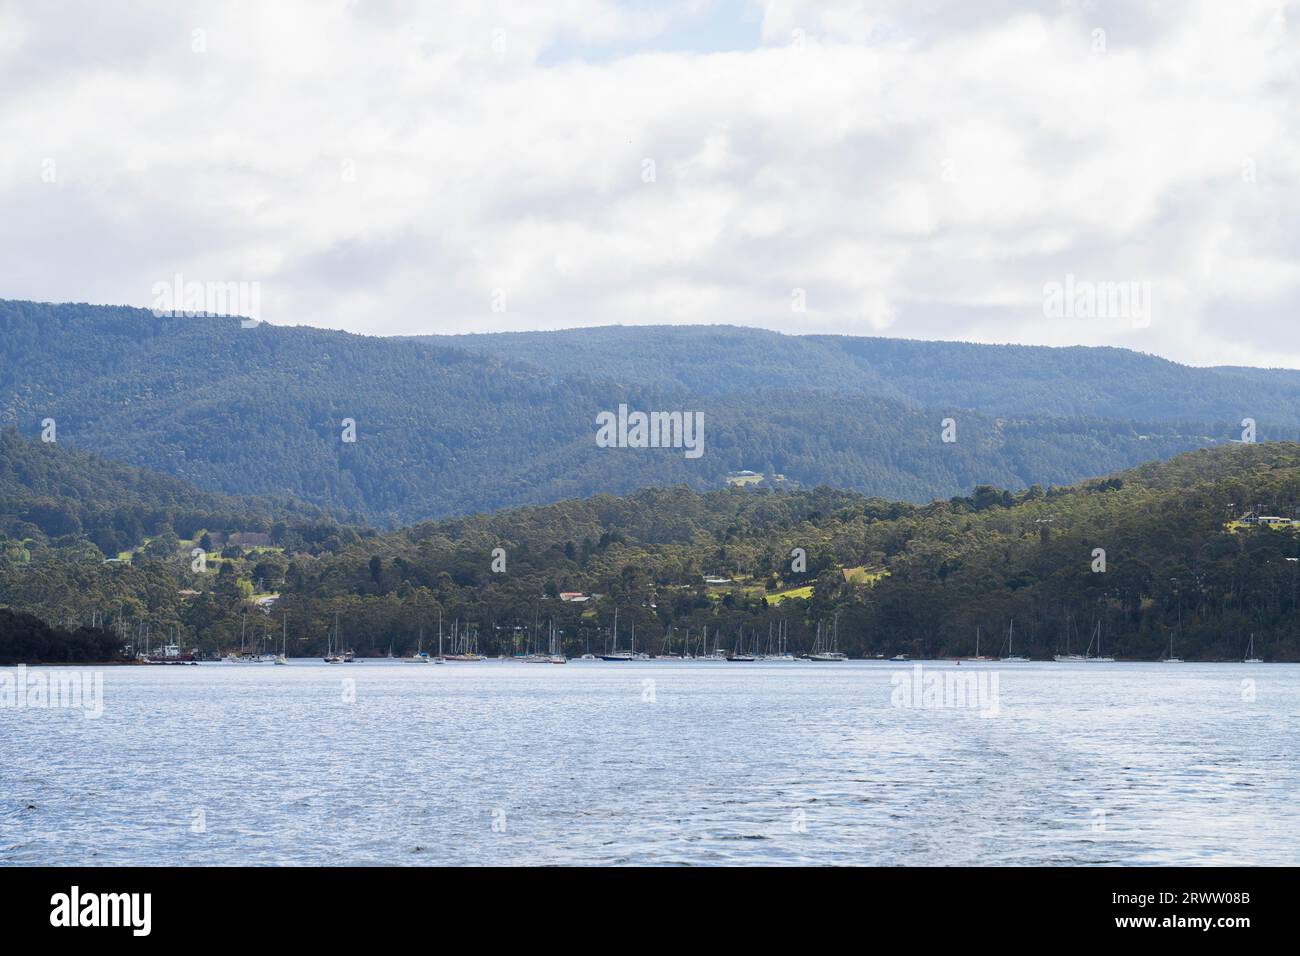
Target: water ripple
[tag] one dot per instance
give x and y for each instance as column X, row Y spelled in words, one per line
column 777, row 764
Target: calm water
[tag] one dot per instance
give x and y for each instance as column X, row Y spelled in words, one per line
column 765, row 763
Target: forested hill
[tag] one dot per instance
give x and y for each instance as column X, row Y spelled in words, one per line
column 50, row 493
column 457, row 426
column 1005, row 380
column 897, row 577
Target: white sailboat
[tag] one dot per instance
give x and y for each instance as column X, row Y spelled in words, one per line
column 1171, row 659
column 1012, row 657
column 284, row 640
column 615, row 654
column 829, row 654
column 1250, row 653
column 464, row 644
column 782, row 645
column 420, row 656
column 552, row 655
column 717, row 654
column 332, row 655
column 637, row 655
column 555, row 653
column 667, row 647
column 1099, row 658
column 978, row 656
column 1067, row 657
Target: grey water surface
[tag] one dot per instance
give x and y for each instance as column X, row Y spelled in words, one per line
column 659, row 763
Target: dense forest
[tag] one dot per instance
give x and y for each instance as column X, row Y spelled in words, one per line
column 65, row 497
column 26, row 638
column 888, row 576
column 462, row 424
column 1001, row 380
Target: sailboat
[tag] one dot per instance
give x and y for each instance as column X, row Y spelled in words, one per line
column 264, row 657
column 615, row 654
column 420, row 656
column 637, row 655
column 464, row 644
column 332, row 655
column 686, row 647
column 782, row 644
column 825, row 654
column 284, row 641
column 1100, row 658
column 552, row 655
column 978, row 656
column 667, row 647
column 1013, row 658
column 1250, row 653
column 1171, row 659
column 246, row 655
column 555, row 653
column 738, row 654
column 1067, row 657
column 717, row 654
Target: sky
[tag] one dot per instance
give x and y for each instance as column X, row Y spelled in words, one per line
column 912, row 168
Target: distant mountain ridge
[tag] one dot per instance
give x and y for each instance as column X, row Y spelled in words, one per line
column 453, row 425
column 1006, row 380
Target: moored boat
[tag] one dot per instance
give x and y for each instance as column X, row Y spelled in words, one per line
column 1171, row 658
column 1250, row 653
column 1012, row 657
column 826, row 650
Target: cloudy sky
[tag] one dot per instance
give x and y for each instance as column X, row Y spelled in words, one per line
column 914, row 168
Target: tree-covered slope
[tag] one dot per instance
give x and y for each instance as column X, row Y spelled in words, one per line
column 50, row 492
column 26, row 638
column 445, row 428
column 1000, row 380
column 891, row 576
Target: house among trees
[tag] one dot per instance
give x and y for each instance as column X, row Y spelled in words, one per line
column 1267, row 521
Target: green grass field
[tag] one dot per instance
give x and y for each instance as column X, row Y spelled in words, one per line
column 863, row 575
column 1237, row 526
column 778, row 596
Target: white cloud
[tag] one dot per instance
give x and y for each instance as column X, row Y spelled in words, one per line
column 920, row 168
